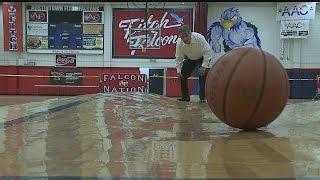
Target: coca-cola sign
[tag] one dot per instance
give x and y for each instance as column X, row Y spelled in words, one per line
column 37, row 16
column 168, row 20
column 68, row 60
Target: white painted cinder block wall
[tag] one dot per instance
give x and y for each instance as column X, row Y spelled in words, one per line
column 310, row 48
column 83, row 60
column 297, row 53
column 293, row 53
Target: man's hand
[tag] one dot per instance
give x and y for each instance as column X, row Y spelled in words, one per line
column 202, row 71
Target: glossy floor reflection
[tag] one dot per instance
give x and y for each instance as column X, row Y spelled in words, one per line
column 16, row 99
column 150, row 136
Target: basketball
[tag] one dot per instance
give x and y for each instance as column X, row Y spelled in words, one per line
column 247, row 88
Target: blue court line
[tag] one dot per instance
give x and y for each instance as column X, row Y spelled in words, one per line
column 139, row 178
column 77, row 177
column 39, row 114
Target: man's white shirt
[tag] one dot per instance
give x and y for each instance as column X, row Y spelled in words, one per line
column 197, row 48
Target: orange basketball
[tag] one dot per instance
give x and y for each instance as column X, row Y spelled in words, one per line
column 247, row 88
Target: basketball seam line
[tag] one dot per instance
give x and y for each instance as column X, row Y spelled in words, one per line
column 229, row 81
column 210, row 89
column 258, row 103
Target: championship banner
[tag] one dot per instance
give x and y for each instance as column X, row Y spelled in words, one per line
column 12, row 26
column 296, row 10
column 66, row 60
column 124, row 83
column 294, row 29
column 168, row 20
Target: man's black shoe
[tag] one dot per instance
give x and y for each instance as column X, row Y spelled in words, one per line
column 183, row 99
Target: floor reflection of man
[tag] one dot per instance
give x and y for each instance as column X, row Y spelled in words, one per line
column 192, row 146
column 250, row 155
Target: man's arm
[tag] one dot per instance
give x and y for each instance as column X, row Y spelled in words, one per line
column 179, row 56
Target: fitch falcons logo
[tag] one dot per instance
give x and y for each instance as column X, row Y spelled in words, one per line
column 154, row 39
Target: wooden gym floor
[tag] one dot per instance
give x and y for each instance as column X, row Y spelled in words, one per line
column 151, row 136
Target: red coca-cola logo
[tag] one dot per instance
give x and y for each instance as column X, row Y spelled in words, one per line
column 93, row 17
column 37, row 16
column 65, row 60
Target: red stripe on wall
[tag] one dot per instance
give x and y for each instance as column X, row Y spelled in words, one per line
column 26, row 85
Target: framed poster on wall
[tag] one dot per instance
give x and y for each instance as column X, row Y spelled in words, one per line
column 64, row 29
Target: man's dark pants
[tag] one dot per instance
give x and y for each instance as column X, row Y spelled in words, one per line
column 186, row 70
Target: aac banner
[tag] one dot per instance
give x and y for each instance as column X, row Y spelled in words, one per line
column 168, row 20
column 296, row 10
column 124, row 83
column 12, row 26
column 294, row 29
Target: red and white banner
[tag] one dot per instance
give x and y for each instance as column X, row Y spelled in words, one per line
column 66, row 60
column 12, row 26
column 124, row 83
column 169, row 20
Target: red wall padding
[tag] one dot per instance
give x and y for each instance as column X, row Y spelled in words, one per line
column 8, row 85
column 26, row 85
column 173, row 84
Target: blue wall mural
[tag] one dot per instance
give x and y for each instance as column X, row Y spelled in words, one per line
column 234, row 31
